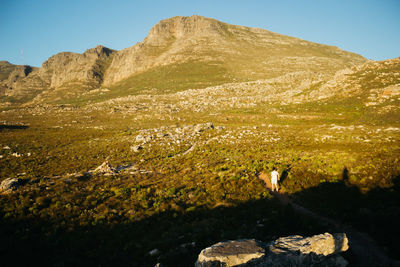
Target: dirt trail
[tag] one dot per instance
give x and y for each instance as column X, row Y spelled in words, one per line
column 364, row 249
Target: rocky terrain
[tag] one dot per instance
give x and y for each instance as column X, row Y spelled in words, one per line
column 382, row 96
column 375, row 82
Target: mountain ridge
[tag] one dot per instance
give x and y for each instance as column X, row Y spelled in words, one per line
column 200, row 52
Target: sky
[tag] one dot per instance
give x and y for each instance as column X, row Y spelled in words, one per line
column 33, row 30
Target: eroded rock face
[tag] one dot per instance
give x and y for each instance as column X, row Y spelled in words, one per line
column 73, row 67
column 318, row 250
column 64, row 70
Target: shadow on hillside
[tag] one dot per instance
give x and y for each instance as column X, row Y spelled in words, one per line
column 376, row 212
column 13, row 127
column 175, row 239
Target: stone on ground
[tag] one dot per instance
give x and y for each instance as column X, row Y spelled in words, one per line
column 8, row 185
column 105, row 169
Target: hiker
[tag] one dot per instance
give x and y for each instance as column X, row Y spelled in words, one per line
column 274, row 179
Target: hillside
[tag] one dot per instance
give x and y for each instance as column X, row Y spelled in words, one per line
column 150, row 154
column 178, row 54
column 369, row 92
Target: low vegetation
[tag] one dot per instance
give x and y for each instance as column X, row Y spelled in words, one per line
column 180, row 185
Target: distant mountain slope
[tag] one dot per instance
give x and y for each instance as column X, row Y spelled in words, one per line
column 374, row 85
column 179, row 53
column 369, row 91
column 371, row 80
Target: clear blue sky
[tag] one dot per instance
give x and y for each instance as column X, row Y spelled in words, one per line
column 33, row 30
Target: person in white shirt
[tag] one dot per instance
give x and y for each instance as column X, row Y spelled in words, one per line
column 274, row 179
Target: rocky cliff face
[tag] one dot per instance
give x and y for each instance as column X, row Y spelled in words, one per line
column 167, row 42
column 21, row 82
column 66, row 67
column 62, row 71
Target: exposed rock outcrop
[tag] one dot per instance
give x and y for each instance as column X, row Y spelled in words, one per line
column 22, row 81
column 167, row 42
column 105, row 169
column 8, row 185
column 318, row 250
column 68, row 67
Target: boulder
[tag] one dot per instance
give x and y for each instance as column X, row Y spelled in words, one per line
column 143, row 139
column 230, row 253
column 136, row 148
column 8, row 185
column 203, row 126
column 105, row 169
column 317, row 250
column 323, row 244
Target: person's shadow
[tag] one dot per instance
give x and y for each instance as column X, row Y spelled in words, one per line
column 285, row 174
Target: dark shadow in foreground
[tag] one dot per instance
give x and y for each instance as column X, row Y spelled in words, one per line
column 170, row 238
column 13, row 127
column 176, row 238
column 376, row 212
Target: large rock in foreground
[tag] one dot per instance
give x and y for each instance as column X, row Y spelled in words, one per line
column 318, row 250
column 231, row 253
column 8, row 185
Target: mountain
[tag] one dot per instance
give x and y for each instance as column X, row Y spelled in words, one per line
column 243, row 52
column 179, row 53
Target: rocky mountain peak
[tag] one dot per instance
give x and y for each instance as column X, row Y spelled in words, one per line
column 185, row 27
column 99, row 51
column 4, row 62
